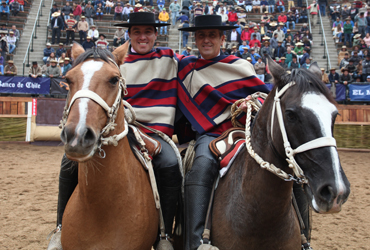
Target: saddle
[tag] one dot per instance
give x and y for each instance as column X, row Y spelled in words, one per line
column 153, row 146
column 227, row 146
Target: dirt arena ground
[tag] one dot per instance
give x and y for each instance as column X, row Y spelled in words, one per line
column 28, row 199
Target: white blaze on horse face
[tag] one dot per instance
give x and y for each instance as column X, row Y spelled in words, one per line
column 320, row 106
column 88, row 70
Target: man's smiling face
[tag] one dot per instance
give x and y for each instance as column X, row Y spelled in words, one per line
column 142, row 38
column 209, row 42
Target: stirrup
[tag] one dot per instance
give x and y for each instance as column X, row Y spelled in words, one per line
column 164, row 243
column 208, row 246
column 306, row 246
column 55, row 239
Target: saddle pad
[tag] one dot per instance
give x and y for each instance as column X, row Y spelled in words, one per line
column 227, row 146
column 153, row 146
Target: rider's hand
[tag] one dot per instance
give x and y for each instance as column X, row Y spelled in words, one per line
column 244, row 106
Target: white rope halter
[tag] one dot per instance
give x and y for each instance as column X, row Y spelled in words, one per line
column 290, row 153
column 111, row 113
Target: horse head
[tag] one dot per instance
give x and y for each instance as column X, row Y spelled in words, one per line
column 308, row 112
column 96, row 91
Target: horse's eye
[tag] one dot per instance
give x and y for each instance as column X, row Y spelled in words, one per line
column 290, row 115
column 67, row 80
column 114, row 80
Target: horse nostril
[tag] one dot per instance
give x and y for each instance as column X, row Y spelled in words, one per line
column 88, row 138
column 327, row 193
column 66, row 135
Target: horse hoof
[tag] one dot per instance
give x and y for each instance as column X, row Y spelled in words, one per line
column 164, row 245
column 207, row 247
column 55, row 242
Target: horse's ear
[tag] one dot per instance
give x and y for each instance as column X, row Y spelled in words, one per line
column 314, row 68
column 120, row 53
column 276, row 71
column 77, row 50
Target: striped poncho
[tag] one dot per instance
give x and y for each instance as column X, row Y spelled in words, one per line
column 152, row 87
column 208, row 88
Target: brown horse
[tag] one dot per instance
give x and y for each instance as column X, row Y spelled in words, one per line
column 253, row 207
column 112, row 206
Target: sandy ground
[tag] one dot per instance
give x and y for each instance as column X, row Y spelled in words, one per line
column 28, row 199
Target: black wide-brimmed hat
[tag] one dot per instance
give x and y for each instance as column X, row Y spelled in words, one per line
column 208, row 22
column 141, row 19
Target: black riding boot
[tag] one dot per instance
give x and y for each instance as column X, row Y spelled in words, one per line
column 304, row 209
column 169, row 184
column 68, row 179
column 198, row 188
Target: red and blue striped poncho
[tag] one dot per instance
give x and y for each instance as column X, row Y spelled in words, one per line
column 208, row 88
column 152, row 87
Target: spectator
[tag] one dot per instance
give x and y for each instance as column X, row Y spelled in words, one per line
column 15, row 7
column 77, row 11
column 304, row 57
column 47, row 52
column 280, row 50
column 109, row 5
column 366, row 66
column 88, row 44
column 246, row 35
column 345, row 12
column 345, row 61
column 198, row 11
column 288, row 55
column 347, row 31
column 11, row 42
column 60, row 50
column 279, row 32
column 333, row 76
column 351, row 67
column 160, row 4
column 245, row 54
column 56, row 25
column 282, row 18
column 264, row 6
column 61, row 67
column 353, row 11
column 280, row 6
column 96, row 4
column 244, row 44
column 3, row 44
column 4, row 11
column 232, row 17
column 62, row 57
column 248, row 5
column 337, row 33
column 254, row 56
column 258, row 35
column 53, row 9
column 99, row 12
column 274, row 41
column 256, row 6
column 10, row 69
column 337, row 22
column 266, row 49
column 102, row 42
column 356, row 58
column 82, row 27
column 53, row 71
column 126, row 12
column 186, row 52
column 44, row 68
column 183, row 17
column 290, row 4
column 254, row 41
column 89, row 13
column 224, row 17
column 35, row 70
column 174, row 10
column 51, row 57
column 271, row 8
column 345, row 78
column 70, row 29
column 138, row 7
column 235, row 52
column 324, row 76
column 67, row 66
column 118, row 12
column 1, row 64
column 335, row 14
column 93, row 33
column 119, row 35
column 260, row 69
column 15, row 32
column 356, row 40
column 291, row 19
column 303, row 15
column 294, row 64
column 322, row 6
column 307, row 63
column 249, row 60
column 342, row 53
column 314, row 9
column 233, row 38
column 362, row 23
column 66, row 11
column 224, row 51
column 282, row 63
column 163, row 18
column 185, row 34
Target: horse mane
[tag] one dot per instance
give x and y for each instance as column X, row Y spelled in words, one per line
column 95, row 53
column 306, row 81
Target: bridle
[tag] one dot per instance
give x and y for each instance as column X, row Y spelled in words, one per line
column 289, row 152
column 110, row 111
